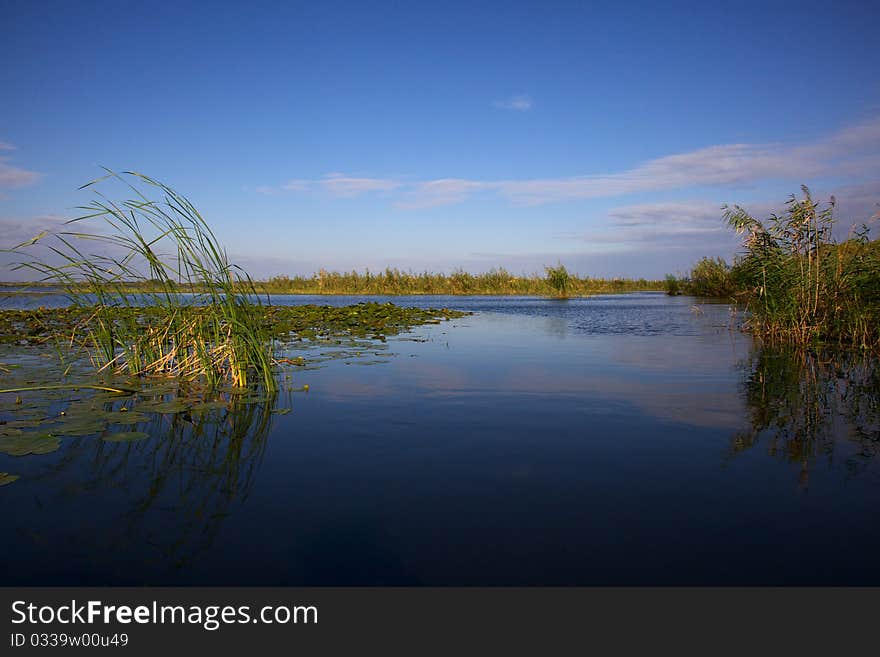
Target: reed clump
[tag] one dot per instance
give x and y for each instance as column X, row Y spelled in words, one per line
column 150, row 251
column 798, row 284
column 559, row 279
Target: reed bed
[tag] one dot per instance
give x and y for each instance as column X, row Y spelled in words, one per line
column 798, row 284
column 500, row 282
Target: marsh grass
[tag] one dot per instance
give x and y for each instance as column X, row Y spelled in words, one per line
column 497, row 282
column 148, row 251
column 800, row 285
column 796, row 282
column 558, row 279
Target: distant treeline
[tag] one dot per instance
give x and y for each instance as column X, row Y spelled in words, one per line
column 393, row 282
column 798, row 284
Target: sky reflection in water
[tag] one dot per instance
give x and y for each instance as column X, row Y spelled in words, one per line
column 616, row 440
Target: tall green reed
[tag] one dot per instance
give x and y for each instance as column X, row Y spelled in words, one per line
column 799, row 284
column 148, row 251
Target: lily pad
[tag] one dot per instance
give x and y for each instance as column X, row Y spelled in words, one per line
column 126, row 436
column 30, row 423
column 130, row 417
column 78, row 427
column 28, row 443
column 6, row 478
column 174, row 406
column 204, row 407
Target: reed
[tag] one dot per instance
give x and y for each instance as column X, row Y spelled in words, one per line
column 149, row 251
column 796, row 282
column 559, row 279
column 497, row 282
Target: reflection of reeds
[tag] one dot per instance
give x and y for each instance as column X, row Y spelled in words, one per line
column 217, row 334
column 803, row 405
column 185, row 483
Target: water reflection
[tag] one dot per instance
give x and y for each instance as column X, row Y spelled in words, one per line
column 533, row 448
column 163, row 499
column 812, row 409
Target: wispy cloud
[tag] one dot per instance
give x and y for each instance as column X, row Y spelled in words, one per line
column 516, row 103
column 434, row 193
column 647, row 226
column 17, row 231
column 339, row 184
column 852, row 151
column 336, row 184
column 12, row 176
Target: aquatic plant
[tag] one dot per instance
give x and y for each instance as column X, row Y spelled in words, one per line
column 710, row 277
column 558, row 279
column 166, row 246
column 796, row 282
column 800, row 285
column 673, row 285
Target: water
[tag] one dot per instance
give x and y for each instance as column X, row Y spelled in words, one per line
column 630, row 439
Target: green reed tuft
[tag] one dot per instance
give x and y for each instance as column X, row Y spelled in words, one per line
column 150, row 251
column 558, row 279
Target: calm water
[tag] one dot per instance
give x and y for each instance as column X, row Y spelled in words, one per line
column 616, row 440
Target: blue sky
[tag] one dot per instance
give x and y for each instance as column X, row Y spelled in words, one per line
column 440, row 135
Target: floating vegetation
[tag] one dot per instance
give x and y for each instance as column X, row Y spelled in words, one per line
column 279, row 323
column 38, row 412
column 126, row 436
column 23, row 443
column 6, row 478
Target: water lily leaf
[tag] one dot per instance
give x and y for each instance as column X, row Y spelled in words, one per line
column 281, row 411
column 126, row 436
column 174, row 406
column 6, row 478
column 130, row 417
column 28, row 443
column 7, row 430
column 209, row 405
column 255, row 399
column 78, row 427
column 30, row 423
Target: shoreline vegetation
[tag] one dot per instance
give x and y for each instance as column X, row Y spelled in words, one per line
column 394, row 282
column 796, row 282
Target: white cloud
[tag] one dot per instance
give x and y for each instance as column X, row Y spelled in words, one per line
column 17, row 231
column 516, row 103
column 852, row 151
column 13, row 176
column 438, row 192
column 339, row 184
column 336, row 184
